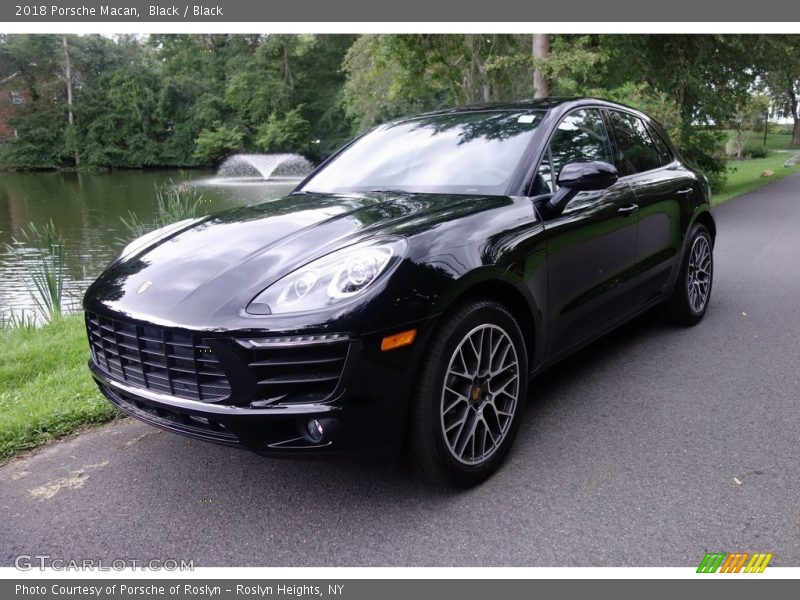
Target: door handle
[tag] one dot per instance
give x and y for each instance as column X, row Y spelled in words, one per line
column 685, row 192
column 628, row 209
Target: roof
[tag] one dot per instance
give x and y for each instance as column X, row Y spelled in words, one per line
column 530, row 104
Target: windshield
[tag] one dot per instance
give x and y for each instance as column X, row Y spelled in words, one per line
column 455, row 153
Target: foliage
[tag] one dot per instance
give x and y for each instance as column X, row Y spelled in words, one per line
column 288, row 133
column 188, row 100
column 214, row 145
column 756, row 151
column 45, row 283
column 780, row 76
column 174, row 202
column 394, row 75
column 173, row 100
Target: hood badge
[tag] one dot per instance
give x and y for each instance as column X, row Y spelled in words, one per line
column 144, row 287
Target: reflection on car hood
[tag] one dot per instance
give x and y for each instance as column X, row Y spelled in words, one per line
column 215, row 266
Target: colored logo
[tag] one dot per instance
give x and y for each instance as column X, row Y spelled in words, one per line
column 734, row 562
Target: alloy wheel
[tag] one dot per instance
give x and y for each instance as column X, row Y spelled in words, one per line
column 480, row 394
column 698, row 275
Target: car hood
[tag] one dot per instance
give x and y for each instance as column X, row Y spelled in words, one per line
column 214, row 266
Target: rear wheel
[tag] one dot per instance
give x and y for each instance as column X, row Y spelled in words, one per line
column 690, row 298
column 470, row 395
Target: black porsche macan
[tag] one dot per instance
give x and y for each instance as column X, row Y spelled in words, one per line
column 403, row 294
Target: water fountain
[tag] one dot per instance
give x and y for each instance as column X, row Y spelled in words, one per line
column 265, row 166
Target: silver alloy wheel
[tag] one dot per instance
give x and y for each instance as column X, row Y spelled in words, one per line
column 699, row 273
column 480, row 393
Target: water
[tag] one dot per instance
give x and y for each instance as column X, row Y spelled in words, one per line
column 265, row 166
column 86, row 209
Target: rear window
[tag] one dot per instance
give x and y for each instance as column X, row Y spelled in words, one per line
column 634, row 149
column 664, row 152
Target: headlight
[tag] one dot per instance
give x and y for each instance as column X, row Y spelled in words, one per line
column 330, row 280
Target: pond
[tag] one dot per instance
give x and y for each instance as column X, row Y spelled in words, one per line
column 86, row 209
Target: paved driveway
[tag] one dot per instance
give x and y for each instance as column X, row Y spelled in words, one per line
column 645, row 449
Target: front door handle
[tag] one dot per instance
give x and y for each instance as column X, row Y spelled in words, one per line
column 628, row 209
column 685, row 192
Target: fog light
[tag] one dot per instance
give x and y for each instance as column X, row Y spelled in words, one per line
column 315, row 430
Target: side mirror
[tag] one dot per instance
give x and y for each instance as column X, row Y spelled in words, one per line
column 580, row 176
column 589, row 175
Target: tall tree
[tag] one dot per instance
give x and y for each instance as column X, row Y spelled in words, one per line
column 541, row 51
column 70, row 113
column 781, row 76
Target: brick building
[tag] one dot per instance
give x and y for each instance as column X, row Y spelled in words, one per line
column 12, row 97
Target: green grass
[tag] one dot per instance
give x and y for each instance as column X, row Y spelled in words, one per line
column 775, row 141
column 46, row 390
column 746, row 175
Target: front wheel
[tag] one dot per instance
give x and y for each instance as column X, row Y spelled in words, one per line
column 689, row 300
column 470, row 396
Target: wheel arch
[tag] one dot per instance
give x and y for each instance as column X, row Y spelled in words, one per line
column 514, row 300
column 705, row 218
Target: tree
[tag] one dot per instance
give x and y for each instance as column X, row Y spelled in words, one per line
column 541, row 51
column 391, row 75
column 781, row 76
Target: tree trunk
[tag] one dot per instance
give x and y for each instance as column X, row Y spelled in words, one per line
column 793, row 106
column 541, row 50
column 70, row 114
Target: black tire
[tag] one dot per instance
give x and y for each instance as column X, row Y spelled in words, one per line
column 683, row 308
column 434, row 451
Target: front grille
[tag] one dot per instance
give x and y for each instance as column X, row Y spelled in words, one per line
column 299, row 373
column 157, row 359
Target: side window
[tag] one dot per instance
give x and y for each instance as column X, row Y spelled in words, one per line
column 635, row 151
column 664, row 152
column 580, row 136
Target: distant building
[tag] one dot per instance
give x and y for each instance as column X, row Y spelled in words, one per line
column 13, row 96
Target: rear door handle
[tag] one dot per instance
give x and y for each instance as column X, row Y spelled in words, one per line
column 628, row 209
column 685, row 192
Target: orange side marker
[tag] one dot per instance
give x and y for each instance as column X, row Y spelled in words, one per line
column 398, row 340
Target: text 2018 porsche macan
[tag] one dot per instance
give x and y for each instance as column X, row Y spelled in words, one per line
column 403, row 294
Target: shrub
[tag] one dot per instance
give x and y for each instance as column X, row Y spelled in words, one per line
column 756, row 151
column 215, row 145
column 735, row 147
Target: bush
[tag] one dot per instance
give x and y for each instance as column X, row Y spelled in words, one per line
column 735, row 147
column 215, row 145
column 756, row 151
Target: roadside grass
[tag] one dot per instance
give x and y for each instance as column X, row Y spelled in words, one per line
column 745, row 175
column 46, row 390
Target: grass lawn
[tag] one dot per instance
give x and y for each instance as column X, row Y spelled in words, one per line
column 775, row 141
column 746, row 174
column 46, row 390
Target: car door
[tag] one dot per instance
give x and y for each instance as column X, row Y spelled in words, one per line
column 591, row 244
column 660, row 184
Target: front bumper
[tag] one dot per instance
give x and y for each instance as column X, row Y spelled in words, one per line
column 367, row 412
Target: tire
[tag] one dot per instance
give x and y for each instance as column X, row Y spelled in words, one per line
column 466, row 412
column 692, row 293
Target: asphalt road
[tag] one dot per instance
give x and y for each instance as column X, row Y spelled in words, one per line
column 646, row 449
